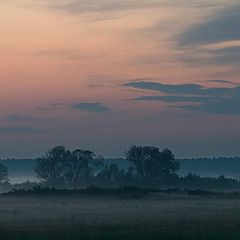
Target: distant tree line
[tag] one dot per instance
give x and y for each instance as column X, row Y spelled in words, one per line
column 3, row 173
column 4, row 185
column 61, row 167
column 148, row 167
column 71, row 169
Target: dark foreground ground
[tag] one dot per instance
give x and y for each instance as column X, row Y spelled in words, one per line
column 158, row 216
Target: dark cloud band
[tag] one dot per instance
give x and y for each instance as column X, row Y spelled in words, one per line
column 91, row 107
column 210, row 100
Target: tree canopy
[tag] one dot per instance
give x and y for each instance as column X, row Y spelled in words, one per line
column 151, row 163
column 3, row 174
column 63, row 167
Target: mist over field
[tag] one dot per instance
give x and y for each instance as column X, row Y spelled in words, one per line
column 21, row 170
column 115, row 117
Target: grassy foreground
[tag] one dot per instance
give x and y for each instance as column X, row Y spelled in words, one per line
column 167, row 217
column 169, row 232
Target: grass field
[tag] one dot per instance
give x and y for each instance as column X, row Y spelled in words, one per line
column 153, row 217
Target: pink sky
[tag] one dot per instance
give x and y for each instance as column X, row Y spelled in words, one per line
column 67, row 68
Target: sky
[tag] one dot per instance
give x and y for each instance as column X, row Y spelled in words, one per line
column 104, row 75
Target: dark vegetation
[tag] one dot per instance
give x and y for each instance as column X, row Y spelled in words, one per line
column 65, row 217
column 4, row 185
column 79, row 196
column 126, row 192
column 125, row 232
column 3, row 173
column 211, row 166
column 148, row 167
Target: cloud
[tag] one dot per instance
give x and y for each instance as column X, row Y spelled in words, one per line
column 19, row 117
column 4, row 129
column 223, row 56
column 91, row 107
column 170, row 98
column 203, row 4
column 57, row 104
column 91, row 6
column 224, row 100
column 217, row 106
column 213, row 41
column 192, row 89
column 221, row 81
column 95, row 85
column 223, row 26
column 164, row 87
column 50, row 107
column 227, row 55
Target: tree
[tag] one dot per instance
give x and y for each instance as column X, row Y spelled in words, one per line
column 164, row 164
column 3, row 174
column 50, row 168
column 111, row 175
column 151, row 163
column 81, row 166
column 63, row 168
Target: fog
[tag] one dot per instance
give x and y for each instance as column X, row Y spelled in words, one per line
column 22, row 170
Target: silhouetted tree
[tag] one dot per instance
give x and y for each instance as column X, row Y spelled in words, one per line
column 50, row 168
column 114, row 176
column 3, row 174
column 111, row 175
column 151, row 163
column 81, row 166
column 63, row 168
column 130, row 176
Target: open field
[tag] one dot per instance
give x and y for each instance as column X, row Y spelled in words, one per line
column 153, row 217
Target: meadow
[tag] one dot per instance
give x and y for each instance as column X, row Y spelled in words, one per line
column 157, row 216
